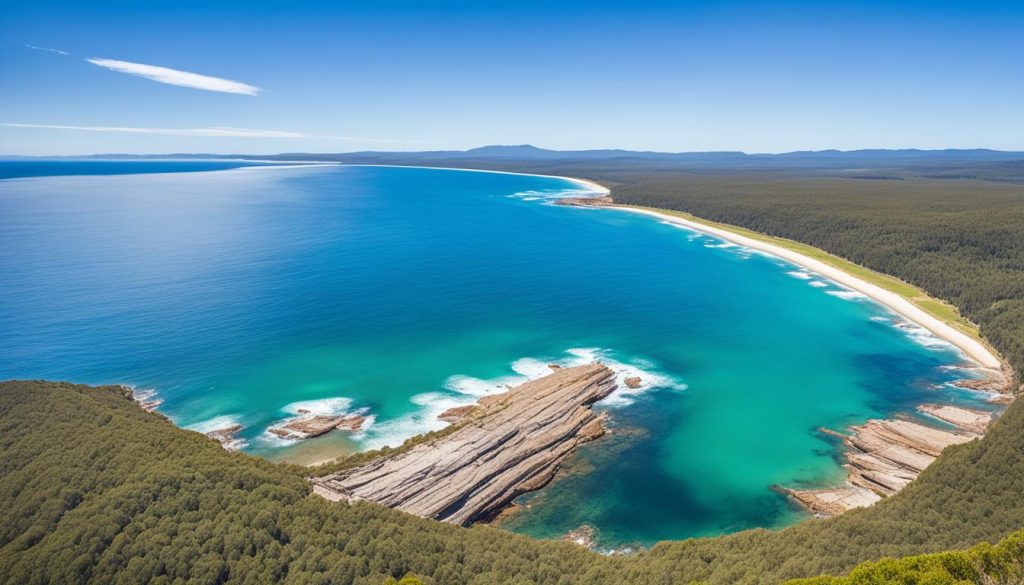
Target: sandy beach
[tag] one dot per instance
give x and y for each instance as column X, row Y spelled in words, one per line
column 974, row 350
column 590, row 185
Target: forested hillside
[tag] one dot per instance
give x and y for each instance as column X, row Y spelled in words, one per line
column 95, row 490
column 983, row 564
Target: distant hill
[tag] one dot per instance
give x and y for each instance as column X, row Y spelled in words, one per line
column 526, row 153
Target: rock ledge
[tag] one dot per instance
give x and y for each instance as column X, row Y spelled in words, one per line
column 507, row 445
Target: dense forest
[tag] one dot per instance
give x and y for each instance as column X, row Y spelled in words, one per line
column 984, row 564
column 94, row 490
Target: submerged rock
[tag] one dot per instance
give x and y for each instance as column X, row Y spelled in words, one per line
column 886, row 455
column 983, row 385
column 633, row 382
column 583, row 536
column 508, row 444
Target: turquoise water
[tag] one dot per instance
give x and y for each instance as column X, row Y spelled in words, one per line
column 244, row 295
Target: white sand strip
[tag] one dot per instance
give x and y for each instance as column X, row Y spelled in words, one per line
column 590, row 185
column 969, row 346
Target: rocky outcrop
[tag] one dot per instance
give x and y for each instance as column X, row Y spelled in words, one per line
column 885, row 455
column 633, row 382
column 975, row 421
column 146, row 398
column 227, row 437
column 352, row 423
column 308, row 427
column 507, row 445
column 604, row 201
column 583, row 536
column 998, row 384
column 981, row 385
column 834, row 501
column 456, row 414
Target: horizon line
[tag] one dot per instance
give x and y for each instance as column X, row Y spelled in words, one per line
column 530, row 146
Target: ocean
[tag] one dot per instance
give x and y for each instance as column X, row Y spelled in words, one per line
column 242, row 295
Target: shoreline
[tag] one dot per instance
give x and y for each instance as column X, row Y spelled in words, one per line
column 971, row 348
column 589, row 185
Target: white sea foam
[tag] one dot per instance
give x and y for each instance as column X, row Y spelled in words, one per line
column 623, row 395
column 143, row 394
column 742, row 252
column 719, row 244
column 393, row 432
column 801, row 274
column 218, row 423
column 323, row 406
column 369, row 420
column 527, row 369
column 714, row 242
column 335, row 406
column 956, row 368
column 552, row 195
column 848, row 295
column 462, row 390
column 214, row 424
column 920, row 335
column 818, row 283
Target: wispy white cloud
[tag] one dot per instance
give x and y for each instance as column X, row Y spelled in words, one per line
column 176, row 77
column 47, row 49
column 212, row 132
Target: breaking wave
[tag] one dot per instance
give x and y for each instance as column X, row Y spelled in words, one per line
column 847, row 295
column 462, row 390
column 217, row 423
column 917, row 334
column 335, row 406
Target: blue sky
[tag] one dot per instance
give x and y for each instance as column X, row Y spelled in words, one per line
column 421, row 75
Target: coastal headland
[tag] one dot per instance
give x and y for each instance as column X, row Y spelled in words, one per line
column 883, row 456
column 504, row 446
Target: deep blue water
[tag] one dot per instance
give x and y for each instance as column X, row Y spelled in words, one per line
column 243, row 295
column 28, row 167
